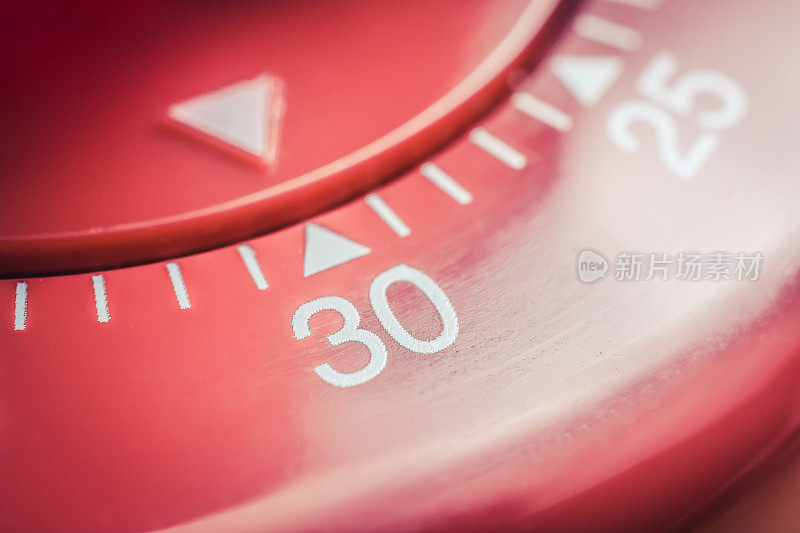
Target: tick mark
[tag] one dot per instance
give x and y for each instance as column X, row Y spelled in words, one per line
column 387, row 214
column 497, row 148
column 445, row 183
column 178, row 286
column 542, row 111
column 641, row 4
column 100, row 298
column 606, row 32
column 20, row 305
column 248, row 256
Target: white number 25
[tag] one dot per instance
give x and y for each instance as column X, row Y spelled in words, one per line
column 679, row 98
column 380, row 304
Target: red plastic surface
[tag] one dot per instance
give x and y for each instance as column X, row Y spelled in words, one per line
column 613, row 406
column 368, row 90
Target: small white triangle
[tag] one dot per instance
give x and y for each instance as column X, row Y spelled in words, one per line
column 587, row 77
column 326, row 249
column 236, row 114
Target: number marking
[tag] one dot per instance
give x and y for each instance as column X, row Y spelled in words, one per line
column 380, row 304
column 178, row 286
column 606, row 32
column 250, row 261
column 685, row 166
column 387, row 214
column 349, row 332
column 497, row 148
column 445, row 183
column 542, row 111
column 679, row 98
column 20, row 305
column 387, row 318
column 100, row 298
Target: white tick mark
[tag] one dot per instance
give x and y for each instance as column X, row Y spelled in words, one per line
column 387, row 214
column 100, row 298
column 446, row 183
column 178, row 285
column 542, row 111
column 497, row 148
column 641, row 4
column 20, row 305
column 248, row 256
column 606, row 32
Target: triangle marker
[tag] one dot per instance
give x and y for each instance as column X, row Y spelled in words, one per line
column 588, row 78
column 326, row 249
column 239, row 115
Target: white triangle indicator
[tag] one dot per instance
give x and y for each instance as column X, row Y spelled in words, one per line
column 587, row 77
column 326, row 249
column 237, row 114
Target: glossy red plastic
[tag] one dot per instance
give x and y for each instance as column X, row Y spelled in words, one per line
column 364, row 98
column 560, row 406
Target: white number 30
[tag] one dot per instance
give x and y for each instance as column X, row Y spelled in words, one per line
column 380, row 304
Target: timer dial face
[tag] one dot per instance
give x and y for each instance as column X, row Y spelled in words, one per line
column 465, row 347
column 167, row 129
